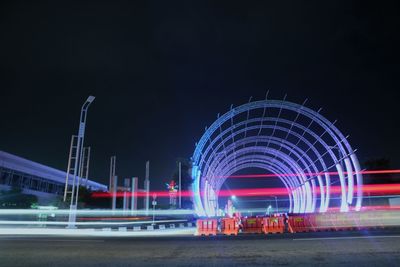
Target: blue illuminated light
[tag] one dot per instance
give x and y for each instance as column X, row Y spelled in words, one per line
column 280, row 137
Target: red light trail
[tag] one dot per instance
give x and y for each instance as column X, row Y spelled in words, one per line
column 372, row 189
column 311, row 174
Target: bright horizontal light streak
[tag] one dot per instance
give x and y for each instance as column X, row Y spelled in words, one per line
column 95, row 212
column 93, row 232
column 254, row 192
column 311, row 174
column 371, row 189
column 84, row 223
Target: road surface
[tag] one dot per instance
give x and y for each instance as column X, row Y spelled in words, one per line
column 377, row 248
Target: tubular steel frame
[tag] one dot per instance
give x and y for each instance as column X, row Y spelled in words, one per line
column 285, row 138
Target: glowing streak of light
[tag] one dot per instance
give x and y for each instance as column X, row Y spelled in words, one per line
column 93, row 232
column 5, row 222
column 371, row 189
column 310, row 174
column 95, row 212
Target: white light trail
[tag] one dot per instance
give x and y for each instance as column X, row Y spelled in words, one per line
column 93, row 232
column 84, row 223
column 94, row 212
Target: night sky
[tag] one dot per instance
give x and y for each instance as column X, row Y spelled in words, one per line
column 162, row 70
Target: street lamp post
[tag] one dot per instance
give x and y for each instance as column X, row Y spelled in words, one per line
column 180, row 185
column 78, row 163
column 154, row 203
column 269, row 209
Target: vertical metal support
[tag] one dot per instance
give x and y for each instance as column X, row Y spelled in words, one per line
column 124, row 201
column 112, row 173
column 85, row 167
column 180, row 185
column 70, row 169
column 81, row 136
column 78, row 162
column 114, row 192
column 127, row 186
column 134, row 190
column 147, row 197
column 147, row 188
column 154, row 203
column 112, row 182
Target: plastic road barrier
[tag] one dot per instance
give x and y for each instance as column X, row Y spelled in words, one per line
column 207, row 227
column 252, row 225
column 229, row 226
column 299, row 224
column 272, row 225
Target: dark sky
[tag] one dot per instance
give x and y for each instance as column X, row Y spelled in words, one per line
column 162, row 70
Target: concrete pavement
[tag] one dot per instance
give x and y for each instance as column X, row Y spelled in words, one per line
column 316, row 249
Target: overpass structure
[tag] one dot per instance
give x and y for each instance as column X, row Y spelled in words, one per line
column 35, row 178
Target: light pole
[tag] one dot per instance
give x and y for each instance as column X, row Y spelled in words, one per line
column 268, row 209
column 154, row 208
column 180, row 185
column 78, row 163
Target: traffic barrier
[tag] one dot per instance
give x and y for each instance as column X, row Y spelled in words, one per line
column 291, row 227
column 207, row 227
column 137, row 228
column 161, row 227
column 310, row 222
column 172, row 226
column 252, row 225
column 340, row 222
column 150, row 228
column 229, row 226
column 272, row 225
column 336, row 221
column 190, row 224
column 122, row 229
column 299, row 224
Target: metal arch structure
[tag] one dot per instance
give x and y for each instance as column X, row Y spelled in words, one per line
column 294, row 142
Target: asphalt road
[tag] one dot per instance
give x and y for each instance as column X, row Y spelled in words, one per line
column 377, row 248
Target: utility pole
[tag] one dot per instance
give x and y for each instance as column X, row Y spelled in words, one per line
column 154, row 203
column 127, row 189
column 180, row 185
column 113, row 182
column 147, row 188
column 276, row 204
column 114, row 192
column 78, row 163
column 134, row 191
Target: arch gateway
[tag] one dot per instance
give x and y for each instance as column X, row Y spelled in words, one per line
column 302, row 148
